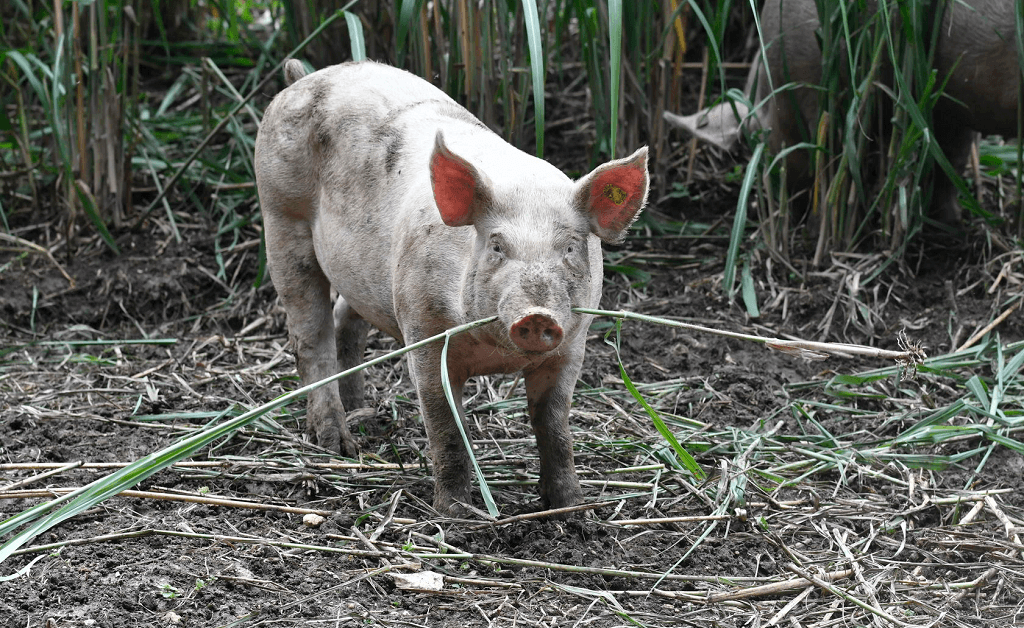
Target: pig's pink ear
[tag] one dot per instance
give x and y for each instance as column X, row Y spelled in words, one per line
column 613, row 195
column 460, row 190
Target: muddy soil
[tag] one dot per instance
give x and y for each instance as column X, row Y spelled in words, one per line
column 144, row 561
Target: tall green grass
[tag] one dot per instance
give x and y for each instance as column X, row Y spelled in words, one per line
column 108, row 113
column 873, row 153
column 81, row 117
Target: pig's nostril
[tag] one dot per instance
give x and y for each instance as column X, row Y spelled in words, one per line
column 536, row 333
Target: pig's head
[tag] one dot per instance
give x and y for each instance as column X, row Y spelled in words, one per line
column 537, row 252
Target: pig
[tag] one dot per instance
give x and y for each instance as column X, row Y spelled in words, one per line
column 376, row 183
column 976, row 50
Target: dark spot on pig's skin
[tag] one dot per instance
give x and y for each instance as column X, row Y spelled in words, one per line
column 319, row 114
column 391, row 139
column 322, row 136
column 391, row 152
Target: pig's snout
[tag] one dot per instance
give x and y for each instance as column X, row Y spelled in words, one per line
column 537, row 331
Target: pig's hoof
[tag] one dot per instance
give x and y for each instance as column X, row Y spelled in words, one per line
column 349, row 449
column 568, row 496
column 947, row 210
column 454, row 507
column 537, row 333
column 331, row 433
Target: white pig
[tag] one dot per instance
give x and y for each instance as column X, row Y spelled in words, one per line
column 373, row 181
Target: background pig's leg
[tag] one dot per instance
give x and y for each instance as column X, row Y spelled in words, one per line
column 955, row 139
column 306, row 294
column 549, row 394
column 452, row 469
column 351, row 332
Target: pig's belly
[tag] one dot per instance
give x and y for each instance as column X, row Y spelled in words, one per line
column 362, row 277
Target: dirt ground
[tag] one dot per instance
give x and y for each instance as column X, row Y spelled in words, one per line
column 885, row 533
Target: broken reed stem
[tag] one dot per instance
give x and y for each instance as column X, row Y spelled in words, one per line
column 455, row 555
column 215, row 464
column 194, row 499
column 61, row 468
column 774, row 588
column 543, row 513
column 660, row 520
column 846, row 596
column 220, row 538
column 459, row 553
column 802, row 348
column 987, row 328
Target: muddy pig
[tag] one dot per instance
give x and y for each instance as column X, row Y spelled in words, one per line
column 976, row 50
column 375, row 182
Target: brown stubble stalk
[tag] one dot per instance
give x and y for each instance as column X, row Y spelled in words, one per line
column 69, row 191
column 26, row 156
column 76, row 42
column 428, row 66
column 464, row 27
column 441, row 45
column 130, row 63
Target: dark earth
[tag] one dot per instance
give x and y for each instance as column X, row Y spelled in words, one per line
column 801, row 478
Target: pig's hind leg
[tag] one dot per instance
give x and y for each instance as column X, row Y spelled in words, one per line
column 306, row 294
column 351, row 330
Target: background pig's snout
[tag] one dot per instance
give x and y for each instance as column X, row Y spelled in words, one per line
column 536, row 332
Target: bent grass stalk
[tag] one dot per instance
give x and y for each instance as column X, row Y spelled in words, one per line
column 801, row 348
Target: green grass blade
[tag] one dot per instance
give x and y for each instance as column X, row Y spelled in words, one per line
column 979, row 390
column 748, row 292
column 684, row 456
column 406, row 14
column 355, row 35
column 485, row 490
column 687, row 460
column 615, row 52
column 740, row 221
column 536, row 69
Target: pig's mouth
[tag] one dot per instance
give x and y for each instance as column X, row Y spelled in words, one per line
column 537, row 330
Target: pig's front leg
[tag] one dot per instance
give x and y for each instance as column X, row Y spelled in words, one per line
column 549, row 394
column 452, row 467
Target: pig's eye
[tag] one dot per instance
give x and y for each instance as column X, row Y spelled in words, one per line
column 497, row 252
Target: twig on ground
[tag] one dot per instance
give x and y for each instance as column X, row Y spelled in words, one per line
column 13, row 239
column 774, row 588
column 40, row 476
